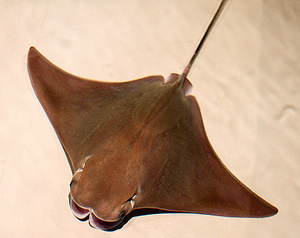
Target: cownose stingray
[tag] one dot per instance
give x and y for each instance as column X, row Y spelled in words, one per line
column 138, row 145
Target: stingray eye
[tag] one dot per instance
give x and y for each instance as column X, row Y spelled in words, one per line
column 79, row 171
column 132, row 201
column 128, row 206
column 76, row 176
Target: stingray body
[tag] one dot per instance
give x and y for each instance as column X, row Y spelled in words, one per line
column 138, row 144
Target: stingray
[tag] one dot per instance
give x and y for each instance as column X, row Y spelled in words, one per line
column 138, row 145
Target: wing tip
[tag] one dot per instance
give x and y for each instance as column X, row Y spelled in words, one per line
column 33, row 59
column 32, row 52
column 270, row 210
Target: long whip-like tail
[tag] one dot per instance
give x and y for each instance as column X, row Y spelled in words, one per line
column 202, row 41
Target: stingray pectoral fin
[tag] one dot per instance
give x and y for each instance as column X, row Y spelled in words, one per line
column 84, row 112
column 192, row 178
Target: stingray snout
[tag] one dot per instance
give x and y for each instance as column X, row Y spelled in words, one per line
column 83, row 214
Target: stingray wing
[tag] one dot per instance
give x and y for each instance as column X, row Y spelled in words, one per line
column 186, row 174
column 80, row 109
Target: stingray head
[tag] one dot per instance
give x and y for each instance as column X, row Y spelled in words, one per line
column 101, row 194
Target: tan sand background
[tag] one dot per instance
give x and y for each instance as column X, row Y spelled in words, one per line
column 246, row 81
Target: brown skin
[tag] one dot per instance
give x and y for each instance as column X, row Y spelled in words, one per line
column 142, row 145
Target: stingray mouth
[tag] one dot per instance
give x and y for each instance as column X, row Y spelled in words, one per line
column 84, row 214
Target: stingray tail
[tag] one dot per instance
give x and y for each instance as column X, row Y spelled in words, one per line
column 185, row 72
